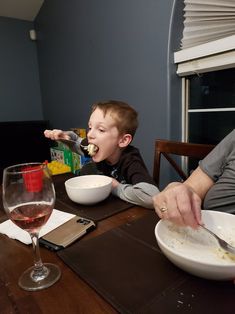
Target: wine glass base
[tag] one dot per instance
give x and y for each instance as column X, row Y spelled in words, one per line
column 27, row 283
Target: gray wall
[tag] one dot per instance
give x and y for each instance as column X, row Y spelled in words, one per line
column 20, row 96
column 94, row 50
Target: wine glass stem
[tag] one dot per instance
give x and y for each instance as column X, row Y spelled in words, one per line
column 40, row 271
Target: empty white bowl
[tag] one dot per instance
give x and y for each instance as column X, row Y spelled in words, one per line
column 89, row 189
column 196, row 251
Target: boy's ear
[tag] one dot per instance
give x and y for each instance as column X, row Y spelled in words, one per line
column 125, row 140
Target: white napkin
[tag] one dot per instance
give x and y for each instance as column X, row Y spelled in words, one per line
column 56, row 219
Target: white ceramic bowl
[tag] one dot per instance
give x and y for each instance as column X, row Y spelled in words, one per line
column 89, row 189
column 196, row 251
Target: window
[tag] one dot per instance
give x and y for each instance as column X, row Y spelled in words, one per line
column 210, row 106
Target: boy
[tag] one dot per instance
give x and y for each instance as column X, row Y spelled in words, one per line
column 111, row 128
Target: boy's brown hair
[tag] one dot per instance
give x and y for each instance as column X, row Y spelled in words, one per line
column 124, row 115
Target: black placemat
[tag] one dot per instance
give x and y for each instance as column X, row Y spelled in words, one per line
column 126, row 267
column 121, row 267
column 110, row 206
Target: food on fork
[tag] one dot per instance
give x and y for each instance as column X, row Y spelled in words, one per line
column 92, row 149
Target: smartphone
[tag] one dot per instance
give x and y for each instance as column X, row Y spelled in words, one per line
column 67, row 233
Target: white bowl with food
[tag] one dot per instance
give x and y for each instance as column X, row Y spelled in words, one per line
column 88, row 189
column 196, row 251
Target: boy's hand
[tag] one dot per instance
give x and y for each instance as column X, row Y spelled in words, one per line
column 56, row 135
column 114, row 183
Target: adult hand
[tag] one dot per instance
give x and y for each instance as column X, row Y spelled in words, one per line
column 179, row 203
column 56, row 134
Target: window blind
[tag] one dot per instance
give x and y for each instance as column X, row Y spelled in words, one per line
column 208, row 41
column 207, row 20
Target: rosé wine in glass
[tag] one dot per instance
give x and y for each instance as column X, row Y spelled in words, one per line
column 30, row 217
column 28, row 199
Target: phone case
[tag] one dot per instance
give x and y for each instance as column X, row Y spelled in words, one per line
column 67, row 233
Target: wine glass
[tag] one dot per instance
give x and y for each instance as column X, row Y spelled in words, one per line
column 28, row 199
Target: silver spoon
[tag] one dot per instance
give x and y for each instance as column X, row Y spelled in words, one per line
column 66, row 140
column 73, row 142
column 86, row 147
column 225, row 245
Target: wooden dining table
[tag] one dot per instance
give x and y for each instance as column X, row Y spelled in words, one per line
column 72, row 294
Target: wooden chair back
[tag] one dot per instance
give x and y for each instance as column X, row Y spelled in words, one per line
column 169, row 148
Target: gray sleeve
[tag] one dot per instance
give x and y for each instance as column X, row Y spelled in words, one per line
column 139, row 194
column 214, row 163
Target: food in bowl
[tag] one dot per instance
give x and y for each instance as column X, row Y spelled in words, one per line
column 196, row 251
column 88, row 189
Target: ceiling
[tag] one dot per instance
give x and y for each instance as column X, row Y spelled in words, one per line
column 20, row 9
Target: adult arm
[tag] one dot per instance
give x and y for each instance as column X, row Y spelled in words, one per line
column 183, row 200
